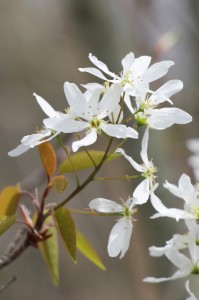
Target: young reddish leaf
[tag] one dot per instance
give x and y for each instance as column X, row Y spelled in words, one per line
column 84, row 246
column 59, row 183
column 6, row 222
column 49, row 251
column 48, row 158
column 9, row 199
column 66, row 228
column 81, row 160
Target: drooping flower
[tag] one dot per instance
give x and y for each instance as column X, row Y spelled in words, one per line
column 89, row 115
column 147, row 170
column 120, row 235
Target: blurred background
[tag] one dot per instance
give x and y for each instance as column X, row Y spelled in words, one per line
column 42, row 44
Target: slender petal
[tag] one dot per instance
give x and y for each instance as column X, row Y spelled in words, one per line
column 141, row 193
column 143, row 153
column 132, row 162
column 119, row 238
column 65, row 125
column 89, row 139
column 157, row 71
column 94, row 72
column 18, row 150
column 105, row 205
column 100, row 65
column 127, row 62
column 46, row 107
column 119, row 131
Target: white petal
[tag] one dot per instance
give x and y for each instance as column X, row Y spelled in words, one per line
column 141, row 192
column 65, row 125
column 158, row 251
column 193, row 145
column 163, row 211
column 173, row 189
column 100, row 65
column 157, row 122
column 89, row 139
column 46, row 107
column 105, row 205
column 187, row 189
column 143, row 153
column 132, row 162
column 140, row 66
column 127, row 100
column 170, row 88
column 76, row 100
column 109, row 101
column 119, row 131
column 157, row 70
column 94, row 72
column 18, row 150
column 176, row 275
column 32, row 139
column 180, row 260
column 127, row 62
column 119, row 238
column 193, row 297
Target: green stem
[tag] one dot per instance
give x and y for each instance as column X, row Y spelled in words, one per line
column 125, row 177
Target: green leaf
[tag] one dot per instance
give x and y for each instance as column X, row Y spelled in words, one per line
column 48, row 158
column 66, row 227
column 9, row 199
column 82, row 161
column 59, row 183
column 6, row 222
column 49, row 251
column 84, row 246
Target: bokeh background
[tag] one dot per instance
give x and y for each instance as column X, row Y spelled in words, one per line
column 42, row 44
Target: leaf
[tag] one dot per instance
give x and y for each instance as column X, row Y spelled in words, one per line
column 49, row 251
column 6, row 222
column 66, row 228
column 48, row 158
column 84, row 246
column 82, row 161
column 59, row 183
column 9, row 199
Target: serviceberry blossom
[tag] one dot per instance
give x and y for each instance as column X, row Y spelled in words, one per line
column 89, row 115
column 120, row 235
column 146, row 111
column 186, row 191
column 147, row 170
column 45, row 134
column 186, row 265
column 136, row 73
column 193, row 161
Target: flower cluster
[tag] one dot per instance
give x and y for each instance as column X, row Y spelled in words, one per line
column 117, row 108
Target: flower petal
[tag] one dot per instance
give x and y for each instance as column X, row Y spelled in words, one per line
column 127, row 62
column 141, row 192
column 176, row 275
column 100, row 65
column 119, row 238
column 46, row 107
column 94, row 72
column 132, row 162
column 65, row 125
column 143, row 153
column 119, row 131
column 18, row 150
column 157, row 71
column 89, row 139
column 105, row 205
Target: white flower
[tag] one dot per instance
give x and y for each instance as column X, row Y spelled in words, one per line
column 185, row 265
column 136, row 72
column 147, row 170
column 120, row 235
column 192, row 296
column 186, row 191
column 46, row 134
column 89, row 115
column 193, row 161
